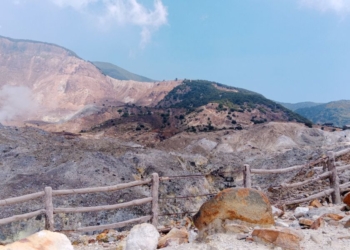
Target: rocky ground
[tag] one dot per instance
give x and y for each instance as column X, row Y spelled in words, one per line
column 31, row 159
column 332, row 233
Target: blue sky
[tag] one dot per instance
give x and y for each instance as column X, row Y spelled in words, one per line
column 287, row 50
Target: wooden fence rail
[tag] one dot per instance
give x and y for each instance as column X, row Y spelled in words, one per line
column 331, row 168
column 49, row 209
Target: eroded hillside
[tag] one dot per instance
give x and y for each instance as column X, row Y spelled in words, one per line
column 63, row 85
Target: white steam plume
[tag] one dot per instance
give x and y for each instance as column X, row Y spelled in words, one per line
column 16, row 103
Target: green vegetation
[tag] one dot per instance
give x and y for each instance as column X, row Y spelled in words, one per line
column 195, row 93
column 119, row 73
column 337, row 113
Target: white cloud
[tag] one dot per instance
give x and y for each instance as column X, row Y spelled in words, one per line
column 125, row 12
column 339, row 6
column 76, row 4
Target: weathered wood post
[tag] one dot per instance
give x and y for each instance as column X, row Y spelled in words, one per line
column 333, row 178
column 155, row 190
column 247, row 181
column 49, row 223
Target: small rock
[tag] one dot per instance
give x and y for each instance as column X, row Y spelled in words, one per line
column 43, row 240
column 315, row 238
column 300, row 211
column 346, row 199
column 319, row 223
column 142, row 237
column 102, row 237
column 174, row 237
column 276, row 211
column 280, row 223
column 192, row 236
column 315, row 203
column 235, row 228
column 335, row 217
column 306, row 222
column 347, row 224
column 242, row 236
column 285, row 238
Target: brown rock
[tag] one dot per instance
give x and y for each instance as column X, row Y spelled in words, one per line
column 306, row 222
column 346, row 199
column 315, row 203
column 174, row 237
column 335, row 217
column 284, row 238
column 236, row 228
column 43, row 240
column 319, row 223
column 347, row 224
column 102, row 237
column 244, row 204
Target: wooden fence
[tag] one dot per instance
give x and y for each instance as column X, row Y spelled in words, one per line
column 330, row 167
column 331, row 170
column 49, row 209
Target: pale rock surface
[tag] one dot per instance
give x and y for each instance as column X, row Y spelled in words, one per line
column 276, row 211
column 43, row 240
column 224, row 148
column 174, row 237
column 300, row 211
column 142, row 237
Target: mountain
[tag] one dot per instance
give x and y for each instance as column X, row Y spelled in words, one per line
column 195, row 93
column 337, row 112
column 116, row 72
column 71, row 94
column 299, row 105
column 61, row 84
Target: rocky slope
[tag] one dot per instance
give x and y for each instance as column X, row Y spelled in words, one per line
column 63, row 85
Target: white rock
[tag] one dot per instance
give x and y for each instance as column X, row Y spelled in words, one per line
column 142, row 237
column 43, row 240
column 280, row 223
column 276, row 211
column 192, row 236
column 300, row 211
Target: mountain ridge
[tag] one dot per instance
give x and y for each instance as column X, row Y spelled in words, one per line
column 336, row 112
column 119, row 73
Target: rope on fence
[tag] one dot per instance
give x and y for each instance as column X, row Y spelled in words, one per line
column 185, row 197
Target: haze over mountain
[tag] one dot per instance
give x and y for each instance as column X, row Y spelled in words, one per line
column 299, row 105
column 337, row 112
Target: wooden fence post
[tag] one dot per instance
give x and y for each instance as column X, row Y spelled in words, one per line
column 333, row 178
column 247, row 176
column 155, row 190
column 49, row 222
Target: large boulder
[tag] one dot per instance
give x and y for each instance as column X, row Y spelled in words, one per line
column 43, row 240
column 142, row 237
column 242, row 204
